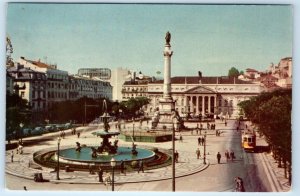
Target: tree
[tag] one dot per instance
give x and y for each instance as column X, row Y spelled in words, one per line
column 233, row 72
column 17, row 111
column 271, row 112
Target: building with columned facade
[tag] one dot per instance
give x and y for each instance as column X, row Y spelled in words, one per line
column 197, row 94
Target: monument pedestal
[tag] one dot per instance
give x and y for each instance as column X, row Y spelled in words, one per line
column 166, row 113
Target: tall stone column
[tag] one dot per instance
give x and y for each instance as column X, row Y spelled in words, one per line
column 209, row 99
column 167, row 72
column 166, row 103
column 203, row 105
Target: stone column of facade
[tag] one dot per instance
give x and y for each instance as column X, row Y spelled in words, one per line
column 197, row 105
column 209, row 109
column 216, row 106
column 203, row 105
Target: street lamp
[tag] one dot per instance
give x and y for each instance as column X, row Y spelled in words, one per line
column 204, row 155
column 113, row 164
column 133, row 128
column 173, row 153
column 21, row 132
column 57, row 171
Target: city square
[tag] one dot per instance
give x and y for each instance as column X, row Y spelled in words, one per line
column 120, row 129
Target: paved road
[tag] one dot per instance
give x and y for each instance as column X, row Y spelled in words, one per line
column 217, row 177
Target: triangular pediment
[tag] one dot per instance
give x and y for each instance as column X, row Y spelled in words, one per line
column 201, row 89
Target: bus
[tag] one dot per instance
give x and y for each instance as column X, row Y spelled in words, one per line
column 249, row 141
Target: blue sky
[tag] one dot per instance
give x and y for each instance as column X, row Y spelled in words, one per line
column 210, row 38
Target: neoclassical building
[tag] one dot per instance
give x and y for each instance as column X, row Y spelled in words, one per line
column 197, row 95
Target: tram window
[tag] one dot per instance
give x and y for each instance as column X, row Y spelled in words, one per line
column 249, row 139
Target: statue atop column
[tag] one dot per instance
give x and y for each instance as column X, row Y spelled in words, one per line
column 168, row 38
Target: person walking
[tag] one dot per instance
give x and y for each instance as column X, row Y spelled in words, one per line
column 176, row 156
column 198, row 153
column 100, row 174
column 219, row 157
column 122, row 167
column 227, row 155
column 78, row 134
column 180, row 138
column 12, row 156
column 199, row 141
column 203, row 141
column 232, row 155
column 141, row 166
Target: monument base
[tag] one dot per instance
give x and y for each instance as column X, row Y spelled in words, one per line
column 166, row 113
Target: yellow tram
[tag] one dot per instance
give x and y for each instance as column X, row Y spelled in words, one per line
column 249, row 141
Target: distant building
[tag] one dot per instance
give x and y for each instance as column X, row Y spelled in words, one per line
column 101, row 73
column 197, row 94
column 118, row 77
column 89, row 87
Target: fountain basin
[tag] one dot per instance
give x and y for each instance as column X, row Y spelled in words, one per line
column 70, row 155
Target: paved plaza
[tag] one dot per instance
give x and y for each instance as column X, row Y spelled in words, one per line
column 188, row 164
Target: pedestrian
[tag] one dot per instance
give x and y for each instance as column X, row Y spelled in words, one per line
column 25, row 188
column 141, row 166
column 239, row 184
column 198, row 153
column 91, row 169
column 78, row 134
column 176, row 156
column 180, row 138
column 122, row 167
column 100, row 174
column 199, row 141
column 227, row 155
column 232, row 155
column 216, row 132
column 219, row 157
column 202, row 141
column 12, row 156
column 225, row 123
column 237, row 129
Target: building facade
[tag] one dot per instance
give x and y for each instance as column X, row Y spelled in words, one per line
column 197, row 95
column 30, row 85
column 88, row 87
column 118, row 77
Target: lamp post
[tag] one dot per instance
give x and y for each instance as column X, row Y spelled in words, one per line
column 113, row 164
column 133, row 128
column 204, row 151
column 21, row 131
column 173, row 153
column 57, row 171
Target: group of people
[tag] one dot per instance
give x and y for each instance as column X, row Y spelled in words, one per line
column 228, row 155
column 218, row 132
column 211, row 126
column 73, row 132
column 201, row 141
column 62, row 134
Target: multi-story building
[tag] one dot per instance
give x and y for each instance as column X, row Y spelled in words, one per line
column 57, row 80
column 118, row 77
column 88, row 87
column 30, row 85
column 197, row 94
column 60, row 86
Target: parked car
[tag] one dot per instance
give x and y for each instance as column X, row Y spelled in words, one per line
column 27, row 132
column 50, row 128
column 38, row 131
column 68, row 126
